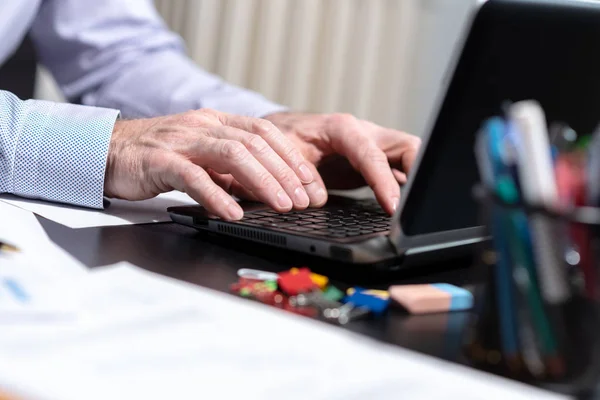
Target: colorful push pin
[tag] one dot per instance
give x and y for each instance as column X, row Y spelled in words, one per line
column 295, row 282
column 256, row 274
column 333, row 294
column 315, row 299
column 375, row 304
column 320, row 280
column 439, row 297
column 383, row 294
column 276, row 299
column 241, row 284
column 352, row 314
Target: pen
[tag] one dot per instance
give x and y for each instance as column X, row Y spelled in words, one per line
column 538, row 184
column 6, row 247
column 495, row 131
column 571, row 181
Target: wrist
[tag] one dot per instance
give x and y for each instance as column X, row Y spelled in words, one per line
column 117, row 142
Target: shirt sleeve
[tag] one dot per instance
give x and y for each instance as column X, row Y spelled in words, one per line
column 54, row 151
column 119, row 54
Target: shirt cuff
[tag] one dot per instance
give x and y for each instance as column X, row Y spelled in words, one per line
column 61, row 153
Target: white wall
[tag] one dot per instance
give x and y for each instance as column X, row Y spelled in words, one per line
column 379, row 59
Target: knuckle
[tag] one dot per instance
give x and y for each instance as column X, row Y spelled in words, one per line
column 256, row 144
column 212, row 196
column 194, row 119
column 413, row 142
column 208, row 111
column 189, row 178
column 287, row 178
column 264, row 182
column 233, row 151
column 292, row 153
column 342, row 119
column 373, row 154
column 264, row 127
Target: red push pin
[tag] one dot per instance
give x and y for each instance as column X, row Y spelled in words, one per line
column 296, row 281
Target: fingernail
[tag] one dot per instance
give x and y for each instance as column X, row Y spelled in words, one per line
column 304, row 173
column 320, row 195
column 301, row 197
column 395, row 201
column 235, row 212
column 284, row 200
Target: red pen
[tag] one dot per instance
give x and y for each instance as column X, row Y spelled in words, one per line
column 571, row 184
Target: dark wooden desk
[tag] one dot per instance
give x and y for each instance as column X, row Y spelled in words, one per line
column 184, row 254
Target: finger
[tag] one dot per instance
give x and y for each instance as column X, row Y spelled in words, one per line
column 232, row 157
column 187, row 177
column 351, row 139
column 401, row 148
column 409, row 156
column 273, row 163
column 400, row 176
column 276, row 139
column 316, row 189
column 231, row 186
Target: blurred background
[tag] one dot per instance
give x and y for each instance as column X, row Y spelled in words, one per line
column 378, row 59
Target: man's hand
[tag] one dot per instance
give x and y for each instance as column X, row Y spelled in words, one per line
column 349, row 153
column 209, row 155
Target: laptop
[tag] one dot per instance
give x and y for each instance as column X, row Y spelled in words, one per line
column 511, row 50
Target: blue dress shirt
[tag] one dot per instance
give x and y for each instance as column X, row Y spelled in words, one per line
column 113, row 56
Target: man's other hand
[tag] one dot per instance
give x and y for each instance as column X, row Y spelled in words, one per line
column 350, row 153
column 209, row 155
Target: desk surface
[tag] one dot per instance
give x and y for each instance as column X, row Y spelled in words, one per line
column 185, row 254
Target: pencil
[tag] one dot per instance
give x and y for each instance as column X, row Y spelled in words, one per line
column 8, row 247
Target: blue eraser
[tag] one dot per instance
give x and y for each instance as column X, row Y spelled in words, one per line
column 461, row 299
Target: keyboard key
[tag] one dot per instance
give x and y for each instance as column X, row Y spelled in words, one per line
column 381, row 229
column 351, row 234
column 318, row 226
column 338, row 235
column 320, row 233
column 286, row 224
column 269, row 219
column 251, row 216
column 299, row 229
column 312, row 220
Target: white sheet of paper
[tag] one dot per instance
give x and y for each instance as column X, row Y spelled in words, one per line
column 120, row 212
column 141, row 335
column 39, row 256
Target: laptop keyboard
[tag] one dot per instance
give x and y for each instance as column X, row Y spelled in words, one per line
column 359, row 219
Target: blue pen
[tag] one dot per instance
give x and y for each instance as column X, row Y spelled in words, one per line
column 16, row 290
column 491, row 162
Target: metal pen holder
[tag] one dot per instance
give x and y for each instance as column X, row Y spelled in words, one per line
column 522, row 326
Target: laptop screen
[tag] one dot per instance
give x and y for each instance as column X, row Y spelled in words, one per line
column 544, row 50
